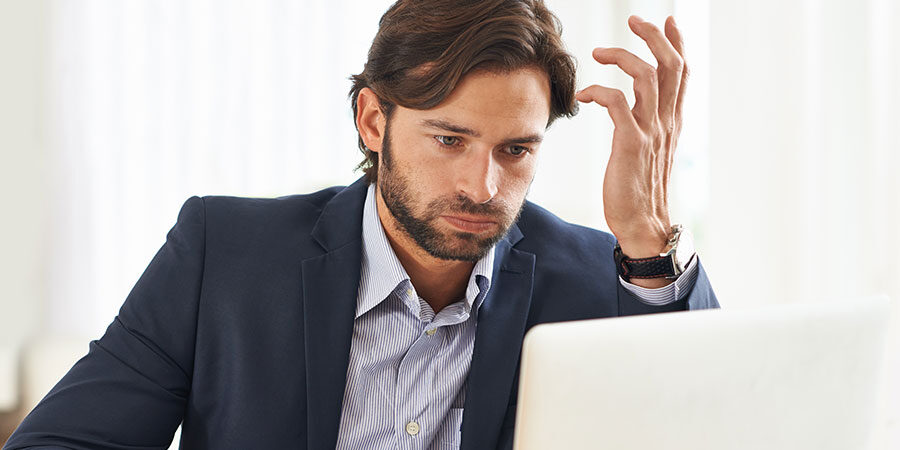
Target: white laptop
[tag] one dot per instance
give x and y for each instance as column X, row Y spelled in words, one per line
column 792, row 377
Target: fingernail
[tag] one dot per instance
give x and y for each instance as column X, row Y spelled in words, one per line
column 638, row 18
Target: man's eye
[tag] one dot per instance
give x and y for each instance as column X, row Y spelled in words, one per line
column 448, row 140
column 517, row 150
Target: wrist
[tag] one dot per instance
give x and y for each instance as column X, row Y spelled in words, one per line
column 646, row 246
column 651, row 283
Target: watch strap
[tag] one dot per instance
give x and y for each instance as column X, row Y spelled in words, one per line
column 643, row 268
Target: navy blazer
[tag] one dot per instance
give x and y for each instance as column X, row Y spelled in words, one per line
column 240, row 327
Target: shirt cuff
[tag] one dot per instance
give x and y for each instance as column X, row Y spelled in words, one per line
column 669, row 293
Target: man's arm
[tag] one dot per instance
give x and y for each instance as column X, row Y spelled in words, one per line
column 131, row 389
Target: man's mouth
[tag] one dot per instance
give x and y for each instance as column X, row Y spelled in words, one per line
column 470, row 224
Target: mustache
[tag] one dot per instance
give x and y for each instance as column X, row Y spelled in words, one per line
column 463, row 204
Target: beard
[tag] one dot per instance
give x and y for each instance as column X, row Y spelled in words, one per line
column 398, row 194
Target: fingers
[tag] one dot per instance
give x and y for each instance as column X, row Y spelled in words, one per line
column 615, row 103
column 669, row 63
column 645, row 80
column 673, row 34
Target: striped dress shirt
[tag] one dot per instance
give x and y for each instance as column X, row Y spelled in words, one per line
column 408, row 366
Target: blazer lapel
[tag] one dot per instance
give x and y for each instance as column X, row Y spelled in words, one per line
column 330, row 282
column 498, row 341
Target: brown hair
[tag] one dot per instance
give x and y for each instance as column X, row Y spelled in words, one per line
column 424, row 48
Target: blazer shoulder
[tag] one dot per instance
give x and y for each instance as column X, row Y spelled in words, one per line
column 254, row 205
column 545, row 230
column 254, row 220
column 574, row 272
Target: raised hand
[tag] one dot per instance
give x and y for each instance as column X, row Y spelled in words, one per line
column 635, row 188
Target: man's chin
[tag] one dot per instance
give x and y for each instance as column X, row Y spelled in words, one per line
column 460, row 255
column 461, row 246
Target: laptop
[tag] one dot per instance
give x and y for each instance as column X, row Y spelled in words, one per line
column 789, row 377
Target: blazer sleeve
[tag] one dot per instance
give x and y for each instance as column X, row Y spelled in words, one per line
column 701, row 296
column 130, row 390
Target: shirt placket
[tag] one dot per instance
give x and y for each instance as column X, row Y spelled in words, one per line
column 413, row 424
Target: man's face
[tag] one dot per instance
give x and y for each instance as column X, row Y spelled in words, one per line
column 455, row 177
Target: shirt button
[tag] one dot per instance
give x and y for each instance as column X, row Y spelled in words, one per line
column 412, row 428
column 409, row 292
column 431, row 331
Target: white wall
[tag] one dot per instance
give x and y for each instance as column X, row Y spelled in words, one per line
column 805, row 157
column 23, row 179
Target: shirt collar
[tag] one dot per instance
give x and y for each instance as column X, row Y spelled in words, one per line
column 381, row 272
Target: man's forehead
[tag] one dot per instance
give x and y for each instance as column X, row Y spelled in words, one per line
column 485, row 103
column 525, row 89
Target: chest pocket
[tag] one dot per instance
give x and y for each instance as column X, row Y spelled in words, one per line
column 449, row 435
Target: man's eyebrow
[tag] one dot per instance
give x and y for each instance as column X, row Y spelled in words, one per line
column 447, row 126
column 530, row 139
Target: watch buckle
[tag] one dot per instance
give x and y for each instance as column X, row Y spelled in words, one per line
column 670, row 251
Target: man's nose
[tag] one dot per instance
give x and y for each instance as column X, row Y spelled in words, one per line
column 478, row 176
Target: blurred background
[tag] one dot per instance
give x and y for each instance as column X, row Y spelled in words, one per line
column 113, row 113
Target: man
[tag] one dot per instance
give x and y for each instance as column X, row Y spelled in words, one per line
column 390, row 314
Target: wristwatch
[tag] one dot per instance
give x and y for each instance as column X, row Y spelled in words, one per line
column 669, row 264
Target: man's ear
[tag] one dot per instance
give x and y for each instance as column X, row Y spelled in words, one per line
column 370, row 120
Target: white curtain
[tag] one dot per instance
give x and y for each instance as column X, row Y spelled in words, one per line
column 787, row 168
column 804, row 193
column 155, row 101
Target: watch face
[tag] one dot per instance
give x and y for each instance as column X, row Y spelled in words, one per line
column 684, row 249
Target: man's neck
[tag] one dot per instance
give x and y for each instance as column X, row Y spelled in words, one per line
column 439, row 282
